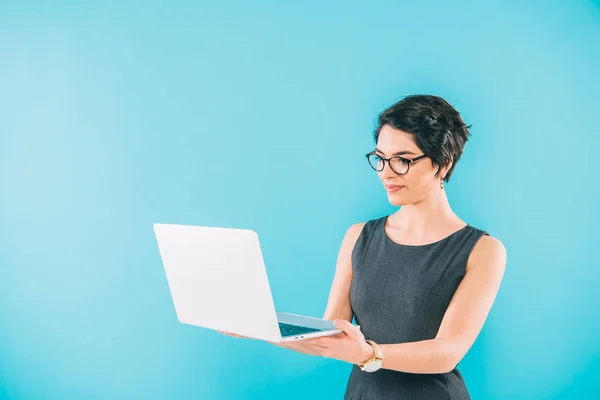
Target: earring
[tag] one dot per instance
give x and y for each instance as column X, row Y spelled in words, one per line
column 442, row 184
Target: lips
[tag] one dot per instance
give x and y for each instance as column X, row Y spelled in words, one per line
column 393, row 188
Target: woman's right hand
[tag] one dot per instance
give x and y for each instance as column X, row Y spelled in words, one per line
column 298, row 345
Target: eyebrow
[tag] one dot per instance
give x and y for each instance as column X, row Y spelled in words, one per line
column 398, row 153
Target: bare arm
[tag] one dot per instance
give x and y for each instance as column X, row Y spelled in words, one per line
column 463, row 319
column 338, row 304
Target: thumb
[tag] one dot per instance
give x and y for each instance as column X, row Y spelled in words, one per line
column 347, row 327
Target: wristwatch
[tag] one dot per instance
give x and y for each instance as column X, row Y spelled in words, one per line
column 375, row 362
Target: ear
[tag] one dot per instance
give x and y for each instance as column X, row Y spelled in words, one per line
column 444, row 171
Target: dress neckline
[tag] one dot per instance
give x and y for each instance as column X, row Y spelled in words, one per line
column 389, row 239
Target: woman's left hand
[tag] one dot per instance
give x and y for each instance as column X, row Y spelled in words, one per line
column 349, row 346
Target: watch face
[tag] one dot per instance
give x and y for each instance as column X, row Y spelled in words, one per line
column 373, row 366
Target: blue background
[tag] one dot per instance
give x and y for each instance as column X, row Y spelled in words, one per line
column 116, row 116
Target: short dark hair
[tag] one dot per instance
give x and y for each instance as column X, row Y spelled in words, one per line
column 436, row 126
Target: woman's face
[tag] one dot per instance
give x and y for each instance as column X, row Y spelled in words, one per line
column 419, row 181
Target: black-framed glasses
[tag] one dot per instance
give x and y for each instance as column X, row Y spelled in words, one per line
column 399, row 165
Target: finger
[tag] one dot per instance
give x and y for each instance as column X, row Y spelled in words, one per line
column 347, row 327
column 320, row 340
column 317, row 346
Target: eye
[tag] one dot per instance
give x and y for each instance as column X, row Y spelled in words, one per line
column 376, row 161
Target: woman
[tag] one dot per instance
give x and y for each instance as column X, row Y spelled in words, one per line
column 419, row 282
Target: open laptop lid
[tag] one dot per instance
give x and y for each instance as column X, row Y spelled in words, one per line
column 218, row 280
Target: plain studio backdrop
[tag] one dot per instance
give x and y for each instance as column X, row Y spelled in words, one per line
column 258, row 115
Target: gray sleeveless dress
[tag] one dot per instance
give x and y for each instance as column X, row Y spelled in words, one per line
column 399, row 293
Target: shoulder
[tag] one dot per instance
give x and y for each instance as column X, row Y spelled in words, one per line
column 353, row 232
column 488, row 252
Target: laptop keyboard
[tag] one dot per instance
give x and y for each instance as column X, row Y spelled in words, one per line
column 291, row 330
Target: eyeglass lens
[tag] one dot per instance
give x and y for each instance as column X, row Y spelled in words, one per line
column 398, row 164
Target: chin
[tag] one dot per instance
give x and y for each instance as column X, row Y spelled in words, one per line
column 397, row 201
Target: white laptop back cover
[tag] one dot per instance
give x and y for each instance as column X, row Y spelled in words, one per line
column 217, row 279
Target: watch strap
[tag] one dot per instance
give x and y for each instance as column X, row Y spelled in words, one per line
column 376, row 349
column 377, row 355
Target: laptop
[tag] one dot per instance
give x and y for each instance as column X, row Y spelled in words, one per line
column 217, row 279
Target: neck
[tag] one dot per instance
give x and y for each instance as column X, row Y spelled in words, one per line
column 432, row 213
